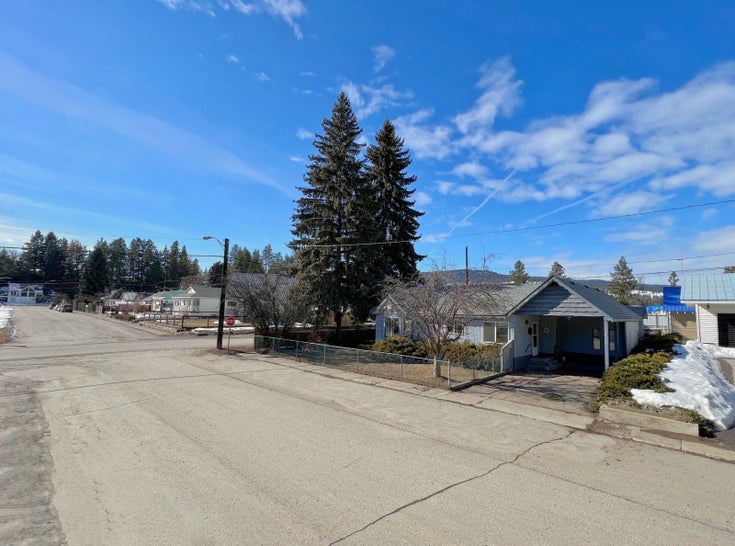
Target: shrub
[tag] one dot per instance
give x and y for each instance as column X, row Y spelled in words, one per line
column 462, row 351
column 399, row 345
column 664, row 343
column 638, row 371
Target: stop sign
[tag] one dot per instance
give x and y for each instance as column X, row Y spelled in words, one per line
column 230, row 321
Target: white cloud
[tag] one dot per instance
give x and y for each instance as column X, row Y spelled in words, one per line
column 470, row 168
column 626, row 131
column 709, row 213
column 307, row 74
column 717, row 178
column 382, row 54
column 367, row 100
column 262, row 76
column 295, row 159
column 304, row 134
column 444, row 187
column 421, row 199
column 287, row 10
column 423, row 139
column 500, row 95
column 640, row 234
column 630, row 203
column 232, row 59
column 716, row 240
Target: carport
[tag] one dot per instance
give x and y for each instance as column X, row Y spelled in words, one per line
column 574, row 322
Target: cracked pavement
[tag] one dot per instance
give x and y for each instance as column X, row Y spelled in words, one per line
column 138, row 439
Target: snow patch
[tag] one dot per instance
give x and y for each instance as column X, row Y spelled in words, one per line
column 6, row 320
column 699, row 384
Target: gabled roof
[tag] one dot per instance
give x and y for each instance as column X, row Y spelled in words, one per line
column 558, row 296
column 202, row 291
column 709, row 287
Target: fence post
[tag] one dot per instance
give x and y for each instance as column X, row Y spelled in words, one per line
column 449, row 373
column 324, row 355
column 401, row 366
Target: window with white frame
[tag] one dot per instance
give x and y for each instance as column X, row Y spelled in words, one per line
column 495, row 332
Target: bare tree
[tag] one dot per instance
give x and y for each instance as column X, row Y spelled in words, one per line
column 436, row 307
column 270, row 301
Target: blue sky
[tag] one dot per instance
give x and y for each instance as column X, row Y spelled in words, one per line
column 531, row 124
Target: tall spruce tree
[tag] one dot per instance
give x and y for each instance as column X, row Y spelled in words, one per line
column 324, row 221
column 622, row 282
column 395, row 215
column 94, row 273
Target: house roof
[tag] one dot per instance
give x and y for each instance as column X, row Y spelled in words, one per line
column 558, row 296
column 553, row 297
column 708, row 287
column 201, row 291
column 256, row 281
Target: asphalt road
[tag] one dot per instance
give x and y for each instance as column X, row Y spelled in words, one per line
column 113, row 435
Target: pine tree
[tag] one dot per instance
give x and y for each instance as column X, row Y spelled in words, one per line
column 519, row 275
column 557, row 270
column 323, row 224
column 31, row 266
column 673, row 279
column 622, row 282
column 94, row 274
column 117, row 263
column 53, row 258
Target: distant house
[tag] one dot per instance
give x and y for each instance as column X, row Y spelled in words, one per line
column 24, row 294
column 195, row 299
column 713, row 298
column 559, row 317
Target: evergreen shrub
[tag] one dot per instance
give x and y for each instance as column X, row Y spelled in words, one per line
column 638, row 371
column 399, row 345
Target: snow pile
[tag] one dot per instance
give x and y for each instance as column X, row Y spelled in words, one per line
column 698, row 382
column 235, row 330
column 6, row 320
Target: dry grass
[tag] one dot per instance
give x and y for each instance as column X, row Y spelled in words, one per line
column 420, row 374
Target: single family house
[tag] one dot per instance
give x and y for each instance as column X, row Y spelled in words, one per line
column 582, row 326
column 713, row 298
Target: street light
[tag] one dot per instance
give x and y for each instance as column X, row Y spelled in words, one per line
column 223, row 290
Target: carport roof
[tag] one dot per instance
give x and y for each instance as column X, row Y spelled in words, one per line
column 708, row 287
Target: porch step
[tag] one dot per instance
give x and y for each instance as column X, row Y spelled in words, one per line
column 546, row 364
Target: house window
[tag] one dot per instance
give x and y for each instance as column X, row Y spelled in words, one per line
column 495, row 332
column 195, row 302
column 611, row 333
column 596, row 343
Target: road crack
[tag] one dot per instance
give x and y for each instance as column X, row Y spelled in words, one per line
column 451, row 486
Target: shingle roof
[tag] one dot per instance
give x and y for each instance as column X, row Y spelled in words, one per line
column 565, row 297
column 709, row 287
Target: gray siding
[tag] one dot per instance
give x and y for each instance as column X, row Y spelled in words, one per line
column 557, row 301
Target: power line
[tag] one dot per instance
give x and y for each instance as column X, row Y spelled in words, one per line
column 529, row 228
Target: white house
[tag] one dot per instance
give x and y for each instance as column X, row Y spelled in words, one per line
column 713, row 298
column 195, row 299
column 24, row 294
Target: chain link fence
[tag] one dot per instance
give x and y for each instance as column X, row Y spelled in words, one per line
column 421, row 371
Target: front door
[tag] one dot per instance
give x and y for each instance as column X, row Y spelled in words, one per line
column 534, row 338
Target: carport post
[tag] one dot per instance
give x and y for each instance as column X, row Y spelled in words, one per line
column 606, row 341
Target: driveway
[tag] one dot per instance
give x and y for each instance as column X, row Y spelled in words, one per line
column 568, row 393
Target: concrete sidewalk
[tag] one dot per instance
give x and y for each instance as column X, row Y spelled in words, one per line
column 559, row 400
